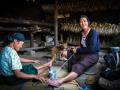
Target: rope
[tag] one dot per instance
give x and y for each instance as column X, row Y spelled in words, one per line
column 64, row 63
column 118, row 59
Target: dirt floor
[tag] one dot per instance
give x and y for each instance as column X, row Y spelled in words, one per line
column 43, row 56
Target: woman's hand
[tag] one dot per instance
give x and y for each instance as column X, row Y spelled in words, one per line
column 73, row 49
column 36, row 61
column 49, row 64
column 38, row 77
column 29, row 60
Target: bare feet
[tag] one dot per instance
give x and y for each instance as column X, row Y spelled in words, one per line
column 55, row 83
column 43, row 81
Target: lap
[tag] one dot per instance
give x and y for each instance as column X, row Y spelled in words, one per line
column 29, row 69
column 80, row 63
column 86, row 60
column 13, row 80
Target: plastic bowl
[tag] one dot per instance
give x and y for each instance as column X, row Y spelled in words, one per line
column 115, row 49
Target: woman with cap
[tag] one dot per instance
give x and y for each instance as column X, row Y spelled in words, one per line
column 85, row 56
column 11, row 68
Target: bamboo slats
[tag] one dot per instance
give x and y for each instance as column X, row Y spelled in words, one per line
column 106, row 28
column 70, row 27
column 102, row 28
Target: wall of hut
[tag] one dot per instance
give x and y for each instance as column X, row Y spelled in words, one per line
column 32, row 18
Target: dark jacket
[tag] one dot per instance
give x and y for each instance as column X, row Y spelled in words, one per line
column 92, row 43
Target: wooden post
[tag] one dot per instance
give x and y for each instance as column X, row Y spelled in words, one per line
column 31, row 39
column 56, row 23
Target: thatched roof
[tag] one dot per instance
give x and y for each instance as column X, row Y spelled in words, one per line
column 84, row 5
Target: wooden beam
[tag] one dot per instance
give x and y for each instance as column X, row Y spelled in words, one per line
column 13, row 29
column 23, row 22
column 56, row 23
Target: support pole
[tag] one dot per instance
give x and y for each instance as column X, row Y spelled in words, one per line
column 31, row 39
column 56, row 23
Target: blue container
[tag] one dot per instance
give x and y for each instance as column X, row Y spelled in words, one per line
column 85, row 88
column 52, row 74
column 115, row 49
